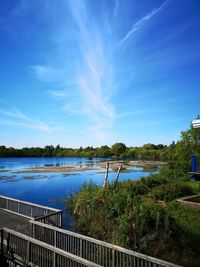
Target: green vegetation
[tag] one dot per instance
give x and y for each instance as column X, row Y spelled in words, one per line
column 118, row 150
column 144, row 215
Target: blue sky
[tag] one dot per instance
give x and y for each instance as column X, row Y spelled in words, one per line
column 84, row 72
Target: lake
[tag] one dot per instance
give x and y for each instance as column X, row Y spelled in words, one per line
column 51, row 189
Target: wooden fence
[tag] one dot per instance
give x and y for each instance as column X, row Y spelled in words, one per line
column 32, row 211
column 93, row 250
column 22, row 250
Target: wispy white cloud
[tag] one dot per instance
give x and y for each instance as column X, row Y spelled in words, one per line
column 14, row 116
column 48, row 74
column 14, row 113
column 139, row 24
column 57, row 94
column 90, row 70
column 31, row 124
column 94, row 79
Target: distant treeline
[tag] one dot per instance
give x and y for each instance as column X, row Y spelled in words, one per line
column 189, row 144
column 118, row 150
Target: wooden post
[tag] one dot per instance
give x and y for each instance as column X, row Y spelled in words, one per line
column 113, row 258
column 28, row 253
column 61, row 219
column 31, row 211
column 8, row 242
column 1, row 241
column 32, row 230
column 18, row 207
column 117, row 176
column 81, row 247
column 106, row 175
column 55, row 238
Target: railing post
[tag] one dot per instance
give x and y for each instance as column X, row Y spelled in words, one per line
column 54, row 254
column 54, row 259
column 28, row 253
column 31, row 211
column 1, row 241
column 8, row 242
column 113, row 258
column 55, row 238
column 7, row 204
column 81, row 247
column 60, row 219
column 18, row 207
column 32, row 229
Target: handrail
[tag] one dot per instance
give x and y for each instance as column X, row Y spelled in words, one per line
column 54, row 219
column 31, row 210
column 32, row 252
column 78, row 244
column 29, row 203
column 46, row 216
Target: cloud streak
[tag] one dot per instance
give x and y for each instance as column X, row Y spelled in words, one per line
column 90, row 71
column 23, row 121
column 94, row 79
column 48, row 74
column 139, row 24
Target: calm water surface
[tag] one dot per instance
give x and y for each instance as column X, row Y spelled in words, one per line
column 51, row 189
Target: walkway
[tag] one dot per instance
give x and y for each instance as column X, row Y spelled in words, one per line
column 14, row 222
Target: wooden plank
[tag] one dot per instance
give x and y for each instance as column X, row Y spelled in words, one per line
column 14, row 221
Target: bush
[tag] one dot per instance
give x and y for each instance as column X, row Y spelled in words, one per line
column 169, row 192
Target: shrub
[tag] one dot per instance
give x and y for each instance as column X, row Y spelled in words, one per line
column 169, row 192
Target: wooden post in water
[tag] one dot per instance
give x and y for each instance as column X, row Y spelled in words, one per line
column 117, row 176
column 106, row 175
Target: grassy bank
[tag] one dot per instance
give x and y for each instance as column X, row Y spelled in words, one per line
column 143, row 216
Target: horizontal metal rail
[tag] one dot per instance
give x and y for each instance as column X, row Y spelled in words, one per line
column 36, row 253
column 94, row 250
column 31, row 211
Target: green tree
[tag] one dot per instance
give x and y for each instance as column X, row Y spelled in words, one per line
column 118, row 149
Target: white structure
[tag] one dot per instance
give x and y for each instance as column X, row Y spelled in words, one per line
column 196, row 123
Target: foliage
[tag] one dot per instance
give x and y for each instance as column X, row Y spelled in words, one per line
column 118, row 150
column 179, row 154
column 129, row 214
column 172, row 191
column 143, row 215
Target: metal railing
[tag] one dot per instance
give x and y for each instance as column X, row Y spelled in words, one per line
column 23, row 249
column 32, row 211
column 50, row 246
column 93, row 250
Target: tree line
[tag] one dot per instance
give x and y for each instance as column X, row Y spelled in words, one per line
column 117, row 150
column 188, row 144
